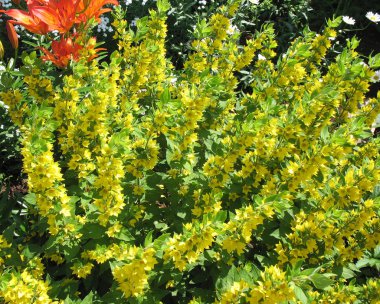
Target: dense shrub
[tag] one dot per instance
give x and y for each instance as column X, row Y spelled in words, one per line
column 149, row 183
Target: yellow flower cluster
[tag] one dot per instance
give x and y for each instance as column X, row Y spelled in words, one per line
column 272, row 288
column 44, row 173
column 239, row 230
column 40, row 88
column 235, row 293
column 13, row 99
column 133, row 277
column 183, row 250
column 82, row 271
column 27, row 286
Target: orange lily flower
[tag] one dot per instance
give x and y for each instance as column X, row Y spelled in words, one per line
column 88, row 9
column 59, row 15
column 65, row 50
column 44, row 16
column 27, row 20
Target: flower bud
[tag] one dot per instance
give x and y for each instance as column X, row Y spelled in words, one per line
column 1, row 51
column 12, row 35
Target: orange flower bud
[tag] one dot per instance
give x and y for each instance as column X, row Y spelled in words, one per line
column 12, row 35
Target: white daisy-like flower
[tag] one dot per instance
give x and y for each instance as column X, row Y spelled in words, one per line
column 255, row 2
column 349, row 20
column 376, row 77
column 374, row 17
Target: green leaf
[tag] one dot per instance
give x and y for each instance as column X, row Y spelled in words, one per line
column 300, row 294
column 181, row 215
column 93, row 231
column 148, row 239
column 158, row 242
column 163, row 6
column 297, row 267
column 252, row 270
column 374, row 62
column 71, row 252
column 376, row 252
column 334, row 22
column 31, row 251
column 221, row 216
column 347, row 273
column 88, row 299
column 125, row 235
column 165, row 96
column 362, row 263
column 202, row 29
column 325, row 133
column 321, row 281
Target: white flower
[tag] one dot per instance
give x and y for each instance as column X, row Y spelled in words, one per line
column 374, row 17
column 134, row 21
column 255, row 2
column 348, row 20
column 376, row 77
column 232, row 29
column 6, row 3
column 261, row 57
column 3, row 105
column 173, row 80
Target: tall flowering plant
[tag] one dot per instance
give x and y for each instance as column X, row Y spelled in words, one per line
column 150, row 184
column 70, row 18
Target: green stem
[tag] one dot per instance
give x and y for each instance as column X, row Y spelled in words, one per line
column 16, row 56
